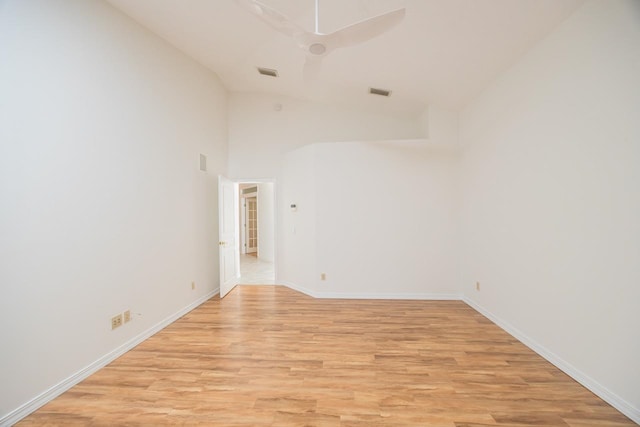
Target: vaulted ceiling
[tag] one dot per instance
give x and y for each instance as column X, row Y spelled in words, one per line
column 445, row 52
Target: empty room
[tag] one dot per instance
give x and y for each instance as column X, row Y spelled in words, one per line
column 320, row 212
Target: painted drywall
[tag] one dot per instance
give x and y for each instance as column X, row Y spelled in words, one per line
column 266, row 221
column 551, row 206
column 104, row 207
column 440, row 126
column 262, row 128
column 296, row 225
column 385, row 219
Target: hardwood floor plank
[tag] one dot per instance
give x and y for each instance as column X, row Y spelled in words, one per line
column 270, row 356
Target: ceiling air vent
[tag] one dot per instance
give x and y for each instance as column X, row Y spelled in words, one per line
column 268, row 72
column 381, row 92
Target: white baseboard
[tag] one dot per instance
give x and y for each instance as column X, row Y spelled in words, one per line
column 594, row 386
column 364, row 295
column 295, row 287
column 55, row 391
column 408, row 296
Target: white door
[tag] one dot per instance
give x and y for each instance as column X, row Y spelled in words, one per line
column 227, row 234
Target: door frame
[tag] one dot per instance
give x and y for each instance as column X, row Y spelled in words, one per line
column 276, row 212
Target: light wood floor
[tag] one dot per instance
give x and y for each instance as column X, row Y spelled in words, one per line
column 271, row 356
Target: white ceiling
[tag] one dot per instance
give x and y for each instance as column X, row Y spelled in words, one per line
column 445, row 52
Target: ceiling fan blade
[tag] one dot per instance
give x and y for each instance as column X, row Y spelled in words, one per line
column 365, row 30
column 272, row 17
column 311, row 69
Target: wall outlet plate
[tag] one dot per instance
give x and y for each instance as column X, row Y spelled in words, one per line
column 127, row 316
column 116, row 321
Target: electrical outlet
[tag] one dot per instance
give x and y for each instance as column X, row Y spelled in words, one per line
column 323, row 276
column 127, row 316
column 477, row 286
column 116, row 321
column 193, row 286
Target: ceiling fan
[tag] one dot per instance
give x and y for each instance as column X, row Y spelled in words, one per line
column 316, row 44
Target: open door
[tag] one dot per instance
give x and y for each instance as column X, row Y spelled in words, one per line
column 227, row 234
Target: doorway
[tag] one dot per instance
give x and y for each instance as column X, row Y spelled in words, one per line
column 257, row 232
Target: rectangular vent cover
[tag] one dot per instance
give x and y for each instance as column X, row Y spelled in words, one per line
column 203, row 163
column 381, row 92
column 268, row 72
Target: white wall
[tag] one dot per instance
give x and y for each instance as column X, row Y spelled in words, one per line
column 103, row 207
column 440, row 126
column 384, row 219
column 551, row 204
column 266, row 221
column 259, row 136
column 296, row 243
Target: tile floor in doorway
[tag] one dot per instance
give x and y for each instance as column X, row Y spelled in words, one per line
column 254, row 271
